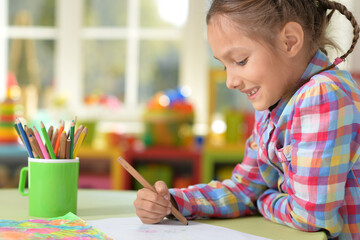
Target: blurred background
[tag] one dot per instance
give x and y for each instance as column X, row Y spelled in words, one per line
column 139, row 74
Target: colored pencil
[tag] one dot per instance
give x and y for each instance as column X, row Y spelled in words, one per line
column 147, row 185
column 23, row 134
column 53, row 139
column 41, row 144
column 72, row 132
column 57, row 144
column 67, row 152
column 47, row 140
column 62, row 149
column 29, row 131
column 79, row 142
column 18, row 132
column 77, row 133
column 35, row 146
column 50, row 132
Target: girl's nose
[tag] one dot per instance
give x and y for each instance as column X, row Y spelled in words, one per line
column 233, row 81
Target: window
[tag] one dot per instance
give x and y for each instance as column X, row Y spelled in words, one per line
column 104, row 58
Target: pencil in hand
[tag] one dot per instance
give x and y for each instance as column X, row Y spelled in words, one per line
column 147, row 185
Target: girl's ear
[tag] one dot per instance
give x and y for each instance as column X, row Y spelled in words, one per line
column 292, row 38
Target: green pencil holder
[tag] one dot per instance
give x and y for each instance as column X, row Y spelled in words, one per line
column 52, row 186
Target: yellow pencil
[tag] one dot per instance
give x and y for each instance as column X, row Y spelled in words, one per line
column 80, row 140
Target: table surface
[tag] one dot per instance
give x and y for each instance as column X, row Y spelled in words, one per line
column 100, row 204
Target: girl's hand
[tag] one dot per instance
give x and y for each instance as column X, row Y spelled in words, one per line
column 153, row 207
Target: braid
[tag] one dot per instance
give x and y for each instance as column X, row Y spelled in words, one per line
column 331, row 5
column 344, row 11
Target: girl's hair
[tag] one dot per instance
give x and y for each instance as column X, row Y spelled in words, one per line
column 263, row 17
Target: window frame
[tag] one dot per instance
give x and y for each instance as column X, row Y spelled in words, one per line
column 69, row 33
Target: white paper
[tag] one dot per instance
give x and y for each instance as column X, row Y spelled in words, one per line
column 133, row 229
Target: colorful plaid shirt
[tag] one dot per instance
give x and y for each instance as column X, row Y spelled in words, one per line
column 301, row 165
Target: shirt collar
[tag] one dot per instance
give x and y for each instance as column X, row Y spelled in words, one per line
column 317, row 63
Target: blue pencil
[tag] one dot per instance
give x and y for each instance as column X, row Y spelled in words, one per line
column 24, row 137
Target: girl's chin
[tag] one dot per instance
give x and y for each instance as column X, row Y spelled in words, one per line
column 260, row 107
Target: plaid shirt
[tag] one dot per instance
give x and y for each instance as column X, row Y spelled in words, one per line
column 301, row 165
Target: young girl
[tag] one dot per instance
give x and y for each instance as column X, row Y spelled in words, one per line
column 301, row 166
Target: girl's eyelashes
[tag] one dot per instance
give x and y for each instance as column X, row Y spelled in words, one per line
column 243, row 62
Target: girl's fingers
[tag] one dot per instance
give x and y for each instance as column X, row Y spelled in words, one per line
column 150, row 196
column 152, row 207
column 147, row 220
column 162, row 189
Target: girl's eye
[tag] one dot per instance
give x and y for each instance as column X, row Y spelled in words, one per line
column 224, row 68
column 243, row 62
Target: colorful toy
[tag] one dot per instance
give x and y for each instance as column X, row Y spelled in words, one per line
column 9, row 110
column 168, row 119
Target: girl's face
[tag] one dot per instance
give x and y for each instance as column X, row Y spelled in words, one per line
column 250, row 66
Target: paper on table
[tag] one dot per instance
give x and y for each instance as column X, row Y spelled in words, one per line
column 133, row 229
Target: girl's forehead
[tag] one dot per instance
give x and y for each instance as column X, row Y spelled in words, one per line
column 225, row 25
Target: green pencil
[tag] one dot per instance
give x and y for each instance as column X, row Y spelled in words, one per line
column 72, row 130
column 47, row 141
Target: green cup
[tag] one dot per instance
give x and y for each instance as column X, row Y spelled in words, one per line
column 52, row 186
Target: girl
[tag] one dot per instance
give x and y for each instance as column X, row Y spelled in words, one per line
column 301, row 166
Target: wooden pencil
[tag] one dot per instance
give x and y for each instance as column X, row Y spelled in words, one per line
column 50, row 132
column 62, row 148
column 147, row 185
column 67, row 152
column 53, row 139
column 37, row 146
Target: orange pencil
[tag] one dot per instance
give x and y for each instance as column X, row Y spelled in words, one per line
column 57, row 143
column 147, row 185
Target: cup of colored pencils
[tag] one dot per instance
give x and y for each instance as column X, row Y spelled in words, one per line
column 52, row 142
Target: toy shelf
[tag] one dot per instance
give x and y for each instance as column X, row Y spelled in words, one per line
column 224, row 155
column 176, row 158
column 100, row 166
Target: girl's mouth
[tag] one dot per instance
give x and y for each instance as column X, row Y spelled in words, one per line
column 252, row 92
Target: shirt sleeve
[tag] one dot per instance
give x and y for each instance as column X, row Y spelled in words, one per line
column 319, row 162
column 231, row 198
